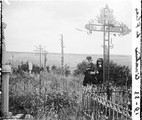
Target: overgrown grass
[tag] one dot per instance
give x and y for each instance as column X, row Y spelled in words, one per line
column 60, row 96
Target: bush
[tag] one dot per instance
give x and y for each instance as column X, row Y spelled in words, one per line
column 81, row 68
column 118, row 74
column 54, row 68
column 58, row 70
column 36, row 69
column 24, row 67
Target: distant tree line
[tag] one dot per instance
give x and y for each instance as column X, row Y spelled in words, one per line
column 24, row 67
column 119, row 74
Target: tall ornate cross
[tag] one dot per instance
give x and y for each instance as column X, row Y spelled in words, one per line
column 107, row 24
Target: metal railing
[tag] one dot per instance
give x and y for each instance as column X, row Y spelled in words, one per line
column 97, row 107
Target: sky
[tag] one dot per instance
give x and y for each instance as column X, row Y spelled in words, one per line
column 33, row 23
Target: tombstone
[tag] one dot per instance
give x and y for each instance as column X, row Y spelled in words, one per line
column 30, row 66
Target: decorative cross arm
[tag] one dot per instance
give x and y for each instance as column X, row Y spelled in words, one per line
column 107, row 20
column 122, row 29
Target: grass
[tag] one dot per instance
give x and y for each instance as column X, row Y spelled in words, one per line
column 60, row 96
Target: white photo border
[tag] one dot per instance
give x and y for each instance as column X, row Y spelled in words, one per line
column 136, row 58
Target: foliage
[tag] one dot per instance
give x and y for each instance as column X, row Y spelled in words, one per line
column 58, row 70
column 118, row 74
column 81, row 68
column 24, row 67
column 54, row 67
column 36, row 69
column 59, row 96
column 48, row 68
column 67, row 71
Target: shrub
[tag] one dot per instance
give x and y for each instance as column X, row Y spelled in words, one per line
column 24, row 67
column 67, row 71
column 48, row 68
column 36, row 69
column 58, row 70
column 118, row 74
column 54, row 67
column 81, row 68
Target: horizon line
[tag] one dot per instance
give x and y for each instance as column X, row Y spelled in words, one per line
column 70, row 53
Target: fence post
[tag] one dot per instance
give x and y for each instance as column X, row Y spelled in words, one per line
column 113, row 114
column 116, row 115
column 83, row 103
column 121, row 116
column 109, row 115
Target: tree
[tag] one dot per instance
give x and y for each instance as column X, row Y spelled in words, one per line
column 58, row 70
column 119, row 75
column 67, row 71
column 24, row 67
column 81, row 68
column 36, row 69
column 54, row 67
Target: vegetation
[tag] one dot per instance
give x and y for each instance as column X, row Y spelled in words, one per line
column 119, row 75
column 58, row 70
column 36, row 69
column 24, row 67
column 81, row 68
column 58, row 96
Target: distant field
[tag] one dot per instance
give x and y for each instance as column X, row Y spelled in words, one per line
column 70, row 59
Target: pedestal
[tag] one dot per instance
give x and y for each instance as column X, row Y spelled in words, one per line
column 6, row 69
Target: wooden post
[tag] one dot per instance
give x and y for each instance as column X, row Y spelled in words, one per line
column 117, row 115
column 113, row 115
column 40, row 69
column 62, row 56
column 104, row 59
column 108, row 59
column 45, row 59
